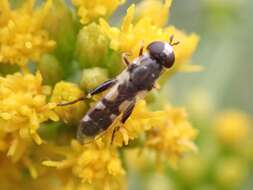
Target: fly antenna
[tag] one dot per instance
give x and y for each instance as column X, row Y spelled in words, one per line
column 171, row 41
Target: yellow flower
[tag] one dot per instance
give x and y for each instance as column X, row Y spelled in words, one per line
column 156, row 10
column 64, row 92
column 233, row 127
column 92, row 10
column 21, row 34
column 92, row 163
column 23, row 107
column 173, row 136
column 130, row 37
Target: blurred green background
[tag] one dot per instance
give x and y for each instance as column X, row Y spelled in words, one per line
column 225, row 50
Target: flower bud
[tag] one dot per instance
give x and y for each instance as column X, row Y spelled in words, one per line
column 50, row 69
column 63, row 28
column 91, row 46
column 93, row 77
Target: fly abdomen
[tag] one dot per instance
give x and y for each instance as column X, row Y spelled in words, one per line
column 96, row 120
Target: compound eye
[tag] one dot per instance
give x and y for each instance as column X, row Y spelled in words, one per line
column 155, row 49
column 169, row 60
column 162, row 52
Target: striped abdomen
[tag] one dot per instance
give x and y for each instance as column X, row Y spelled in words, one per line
column 100, row 117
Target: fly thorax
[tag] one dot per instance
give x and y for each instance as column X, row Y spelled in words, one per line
column 144, row 76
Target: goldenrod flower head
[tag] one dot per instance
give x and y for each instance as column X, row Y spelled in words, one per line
column 23, row 107
column 130, row 37
column 173, row 135
column 22, row 36
column 92, row 10
column 65, row 92
column 91, row 163
column 232, row 127
column 156, row 10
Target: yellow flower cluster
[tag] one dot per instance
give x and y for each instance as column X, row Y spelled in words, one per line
column 92, row 10
column 23, row 107
column 173, row 136
column 131, row 36
column 21, row 34
column 92, row 163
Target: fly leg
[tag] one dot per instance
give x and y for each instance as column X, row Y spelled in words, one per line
column 125, row 59
column 141, row 49
column 72, row 102
column 104, row 86
column 124, row 118
column 128, row 112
